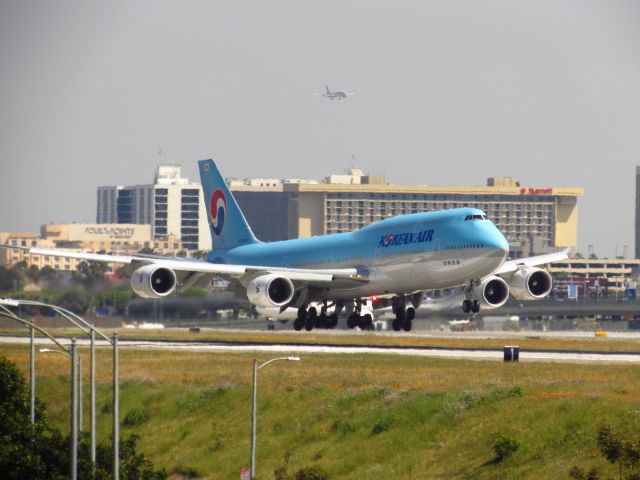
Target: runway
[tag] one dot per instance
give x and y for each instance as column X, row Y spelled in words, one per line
column 430, row 352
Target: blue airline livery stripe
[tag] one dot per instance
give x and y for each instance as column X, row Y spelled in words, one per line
column 405, row 238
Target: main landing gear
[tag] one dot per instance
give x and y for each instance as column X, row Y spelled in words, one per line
column 469, row 305
column 404, row 315
column 310, row 319
column 356, row 319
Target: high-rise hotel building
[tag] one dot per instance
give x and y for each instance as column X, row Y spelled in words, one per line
column 171, row 205
column 535, row 220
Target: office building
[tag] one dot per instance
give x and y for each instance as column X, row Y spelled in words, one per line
column 610, row 276
column 171, row 205
column 535, row 220
column 110, row 238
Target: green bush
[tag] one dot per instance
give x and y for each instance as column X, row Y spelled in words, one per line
column 135, row 417
column 504, row 447
column 42, row 452
column 383, row 425
column 311, row 473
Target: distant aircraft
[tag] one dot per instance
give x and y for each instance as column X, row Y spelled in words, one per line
column 337, row 95
column 397, row 258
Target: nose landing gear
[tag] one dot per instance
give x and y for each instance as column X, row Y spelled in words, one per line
column 469, row 305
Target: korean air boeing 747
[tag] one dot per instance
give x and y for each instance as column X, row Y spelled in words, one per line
column 397, row 258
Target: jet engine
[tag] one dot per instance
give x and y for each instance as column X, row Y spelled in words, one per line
column 270, row 291
column 530, row 283
column 493, row 292
column 153, row 281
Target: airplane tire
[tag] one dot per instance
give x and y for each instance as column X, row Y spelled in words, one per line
column 310, row 322
column 333, row 320
column 466, row 306
column 396, row 324
column 407, row 325
column 320, row 321
column 352, row 320
column 367, row 322
column 298, row 324
column 475, row 308
column 411, row 313
column 302, row 314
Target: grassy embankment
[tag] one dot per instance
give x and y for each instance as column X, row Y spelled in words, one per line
column 355, row 416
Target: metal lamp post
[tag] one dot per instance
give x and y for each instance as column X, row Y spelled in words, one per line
column 6, row 312
column 257, row 367
column 91, row 331
column 74, row 410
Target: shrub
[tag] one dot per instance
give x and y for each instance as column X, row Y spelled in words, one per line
column 504, row 446
column 342, row 427
column 383, row 425
column 135, row 417
column 577, row 473
column 310, row 473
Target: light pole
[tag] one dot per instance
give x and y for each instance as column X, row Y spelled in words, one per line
column 5, row 311
column 91, row 331
column 256, row 367
column 79, row 380
column 116, row 411
column 73, row 474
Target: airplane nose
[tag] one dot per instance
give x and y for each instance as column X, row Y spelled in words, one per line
column 498, row 244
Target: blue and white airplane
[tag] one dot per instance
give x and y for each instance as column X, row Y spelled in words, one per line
column 397, row 258
column 336, row 95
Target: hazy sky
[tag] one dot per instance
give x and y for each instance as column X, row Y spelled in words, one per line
column 448, row 92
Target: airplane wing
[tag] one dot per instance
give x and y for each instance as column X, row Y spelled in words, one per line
column 513, row 265
column 190, row 266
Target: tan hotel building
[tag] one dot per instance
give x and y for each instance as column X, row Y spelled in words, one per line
column 535, row 220
column 117, row 238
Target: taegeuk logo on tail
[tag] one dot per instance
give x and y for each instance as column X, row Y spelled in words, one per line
column 218, row 211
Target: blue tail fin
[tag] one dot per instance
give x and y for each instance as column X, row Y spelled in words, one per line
column 228, row 226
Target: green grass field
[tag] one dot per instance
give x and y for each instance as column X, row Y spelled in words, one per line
column 355, row 416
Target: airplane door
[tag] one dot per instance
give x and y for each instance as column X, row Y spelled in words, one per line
column 331, row 258
column 436, row 245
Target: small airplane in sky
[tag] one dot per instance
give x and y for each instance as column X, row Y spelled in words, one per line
column 397, row 258
column 337, row 95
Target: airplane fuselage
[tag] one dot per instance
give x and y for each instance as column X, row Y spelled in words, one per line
column 420, row 251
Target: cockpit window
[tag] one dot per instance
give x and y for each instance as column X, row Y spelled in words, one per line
column 475, row 217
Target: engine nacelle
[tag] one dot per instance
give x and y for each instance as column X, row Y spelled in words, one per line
column 530, row 283
column 270, row 291
column 153, row 281
column 493, row 292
